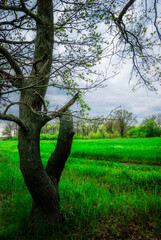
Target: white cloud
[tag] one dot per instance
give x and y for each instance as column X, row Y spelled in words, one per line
column 118, row 92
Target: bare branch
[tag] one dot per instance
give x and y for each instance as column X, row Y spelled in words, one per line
column 11, row 61
column 25, row 104
column 124, row 10
column 11, row 104
column 7, row 77
column 15, row 42
column 155, row 20
column 21, row 9
column 10, row 117
column 63, row 109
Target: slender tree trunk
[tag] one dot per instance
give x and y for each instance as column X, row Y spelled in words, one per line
column 122, row 132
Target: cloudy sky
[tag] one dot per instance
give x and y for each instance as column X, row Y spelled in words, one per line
column 117, row 92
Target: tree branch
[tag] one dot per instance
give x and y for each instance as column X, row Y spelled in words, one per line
column 13, row 64
column 25, row 104
column 5, row 76
column 15, row 42
column 124, row 10
column 58, row 158
column 21, row 9
column 63, row 109
column 10, row 117
column 11, row 61
column 155, row 20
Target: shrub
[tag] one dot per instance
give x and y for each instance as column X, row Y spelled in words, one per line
column 137, row 132
column 48, row 136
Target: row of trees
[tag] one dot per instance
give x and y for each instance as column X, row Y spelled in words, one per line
column 120, row 124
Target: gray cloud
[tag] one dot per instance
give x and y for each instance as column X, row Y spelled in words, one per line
column 141, row 102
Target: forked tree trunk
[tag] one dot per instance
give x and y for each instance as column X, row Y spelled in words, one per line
column 41, row 183
column 57, row 160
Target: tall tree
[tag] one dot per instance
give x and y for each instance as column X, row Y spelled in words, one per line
column 10, row 130
column 56, row 43
column 7, row 131
column 38, row 49
column 124, row 120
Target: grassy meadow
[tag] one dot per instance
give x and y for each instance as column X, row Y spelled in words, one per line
column 109, row 189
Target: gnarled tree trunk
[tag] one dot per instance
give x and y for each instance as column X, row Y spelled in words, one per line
column 41, row 183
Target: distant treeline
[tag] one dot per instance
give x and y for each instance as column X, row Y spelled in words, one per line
column 120, row 124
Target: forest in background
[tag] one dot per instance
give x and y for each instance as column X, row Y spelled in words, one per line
column 120, row 124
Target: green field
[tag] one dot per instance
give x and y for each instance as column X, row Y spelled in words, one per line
column 109, row 189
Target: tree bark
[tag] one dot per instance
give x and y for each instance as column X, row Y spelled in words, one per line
column 57, row 160
column 43, row 184
column 42, row 189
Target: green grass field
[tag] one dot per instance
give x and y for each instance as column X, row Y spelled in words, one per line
column 109, row 189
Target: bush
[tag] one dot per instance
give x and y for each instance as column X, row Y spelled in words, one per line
column 144, row 131
column 15, row 138
column 151, row 128
column 49, row 137
column 80, row 136
column 137, row 132
column 98, row 134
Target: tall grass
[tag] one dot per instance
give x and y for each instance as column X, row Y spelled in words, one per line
column 130, row 150
column 100, row 199
column 122, row 150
